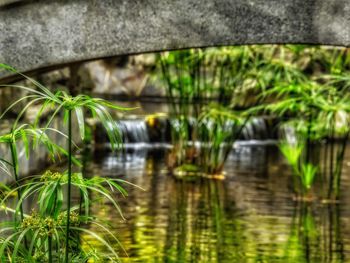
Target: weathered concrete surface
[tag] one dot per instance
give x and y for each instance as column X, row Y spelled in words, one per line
column 7, row 2
column 43, row 33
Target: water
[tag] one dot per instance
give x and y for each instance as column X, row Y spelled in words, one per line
column 134, row 130
column 248, row 217
column 136, row 127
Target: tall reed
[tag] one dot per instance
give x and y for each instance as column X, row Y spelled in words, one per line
column 193, row 78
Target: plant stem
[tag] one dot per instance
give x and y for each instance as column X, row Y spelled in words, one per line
column 83, row 172
column 15, row 172
column 331, row 175
column 50, row 248
column 308, row 139
column 69, row 181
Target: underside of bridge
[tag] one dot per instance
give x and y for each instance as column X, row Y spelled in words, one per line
column 44, row 34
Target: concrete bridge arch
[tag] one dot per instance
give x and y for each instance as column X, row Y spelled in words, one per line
column 39, row 34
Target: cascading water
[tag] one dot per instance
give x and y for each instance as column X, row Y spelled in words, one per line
column 259, row 128
column 140, row 131
column 134, row 131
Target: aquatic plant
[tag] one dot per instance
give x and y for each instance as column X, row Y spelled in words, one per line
column 28, row 135
column 303, row 172
column 197, row 75
column 192, row 78
column 218, row 129
column 317, row 113
column 62, row 101
column 201, row 146
column 46, row 227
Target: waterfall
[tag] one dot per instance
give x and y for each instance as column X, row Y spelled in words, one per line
column 139, row 131
column 258, row 128
column 134, row 130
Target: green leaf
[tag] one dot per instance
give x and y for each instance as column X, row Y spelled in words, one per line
column 25, row 142
column 308, row 174
column 81, row 122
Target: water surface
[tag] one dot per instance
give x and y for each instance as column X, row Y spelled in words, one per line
column 248, row 217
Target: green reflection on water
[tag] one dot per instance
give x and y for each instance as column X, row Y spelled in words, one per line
column 244, row 218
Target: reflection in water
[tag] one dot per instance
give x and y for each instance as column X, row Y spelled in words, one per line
column 248, row 217
column 316, row 238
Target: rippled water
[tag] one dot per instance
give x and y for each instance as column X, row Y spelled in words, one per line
column 248, row 217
